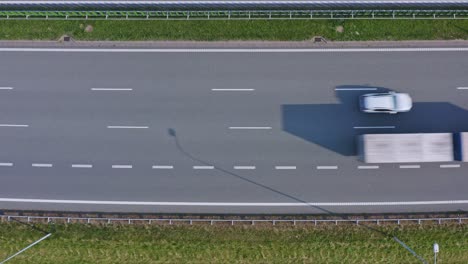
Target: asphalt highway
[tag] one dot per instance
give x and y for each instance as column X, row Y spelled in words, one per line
column 223, row 132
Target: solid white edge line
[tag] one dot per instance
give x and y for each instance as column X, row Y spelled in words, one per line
column 203, row 167
column 6, row 88
column 85, row 166
column 244, row 167
column 204, row 50
column 6, row 164
column 327, row 167
column 252, row 128
column 355, row 89
column 232, row 90
column 253, row 204
column 42, row 165
column 285, row 167
column 410, row 166
column 140, row 127
column 122, row 166
column 164, row 167
column 111, row 89
column 368, row 167
column 372, row 127
column 450, row 166
column 13, row 125
column 462, row 88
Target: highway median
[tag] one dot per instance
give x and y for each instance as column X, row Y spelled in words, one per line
column 226, row 30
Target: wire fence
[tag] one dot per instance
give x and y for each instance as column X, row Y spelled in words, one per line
column 172, row 221
column 235, row 15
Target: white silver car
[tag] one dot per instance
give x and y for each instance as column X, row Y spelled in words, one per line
column 389, row 103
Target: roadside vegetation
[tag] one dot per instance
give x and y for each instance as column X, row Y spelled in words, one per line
column 82, row 243
column 338, row 30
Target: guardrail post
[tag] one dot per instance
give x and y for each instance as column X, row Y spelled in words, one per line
column 208, row 14
column 459, row 220
column 126, row 15
column 352, row 14
column 393, row 14
column 129, row 221
column 48, row 219
column 433, row 15
column 331, row 14
column 8, row 218
column 29, row 219
column 232, row 222
column 167, row 15
column 378, row 222
column 108, row 221
column 188, row 15
column 439, row 221
column 419, row 221
column 294, row 222
column 398, row 221
column 249, row 14
column 229, row 15
column 336, row 222
column 290, row 14
column 274, row 222
column 66, row 16
column 170, row 221
column 149, row 221
column 68, row 220
column 253, row 222
column 211, row 222
column 454, row 16
column 47, row 17
column 86, row 16
column 357, row 222
column 373, row 15
column 89, row 220
column 414, row 15
column 315, row 222
column 107, row 15
column 147, row 15
column 269, row 15
column 311, row 14
column 191, row 222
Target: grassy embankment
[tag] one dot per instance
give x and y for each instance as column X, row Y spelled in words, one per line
column 237, row 30
column 77, row 243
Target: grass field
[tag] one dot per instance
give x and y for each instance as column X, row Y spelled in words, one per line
column 236, row 30
column 76, row 243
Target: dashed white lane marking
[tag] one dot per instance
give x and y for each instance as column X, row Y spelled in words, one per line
column 257, row 127
column 368, row 167
column 122, row 166
column 13, row 125
column 372, row 127
column 450, row 166
column 163, row 167
column 42, row 165
column 410, row 166
column 83, row 166
column 6, row 88
column 131, row 127
column 310, row 50
column 327, row 167
column 203, row 167
column 244, row 167
column 462, row 88
column 355, row 89
column 232, row 90
column 285, row 167
column 111, row 89
column 234, row 204
column 6, row 164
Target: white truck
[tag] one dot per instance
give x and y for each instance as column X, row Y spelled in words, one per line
column 413, row 147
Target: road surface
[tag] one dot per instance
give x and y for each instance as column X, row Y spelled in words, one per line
column 223, row 131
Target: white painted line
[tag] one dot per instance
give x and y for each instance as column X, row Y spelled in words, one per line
column 372, row 127
column 111, row 89
column 327, row 167
column 203, row 167
column 83, row 166
column 462, row 88
column 13, row 125
column 249, row 127
column 355, row 89
column 201, row 50
column 233, row 90
column 131, row 127
column 6, row 88
column 285, row 167
column 450, row 166
column 122, row 166
column 368, row 167
column 42, row 165
column 234, row 204
column 163, row 167
column 244, row 167
column 410, row 166
column 6, row 164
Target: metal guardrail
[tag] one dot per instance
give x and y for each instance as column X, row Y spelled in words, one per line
column 170, row 221
column 228, row 4
column 236, row 14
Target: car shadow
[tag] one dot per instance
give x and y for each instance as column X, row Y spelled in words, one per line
column 334, row 126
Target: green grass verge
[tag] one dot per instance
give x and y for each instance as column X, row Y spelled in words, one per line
column 77, row 243
column 237, row 30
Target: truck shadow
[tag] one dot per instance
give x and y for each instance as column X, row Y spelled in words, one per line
column 332, row 126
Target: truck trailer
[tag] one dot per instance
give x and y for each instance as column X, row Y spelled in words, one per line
column 413, row 147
